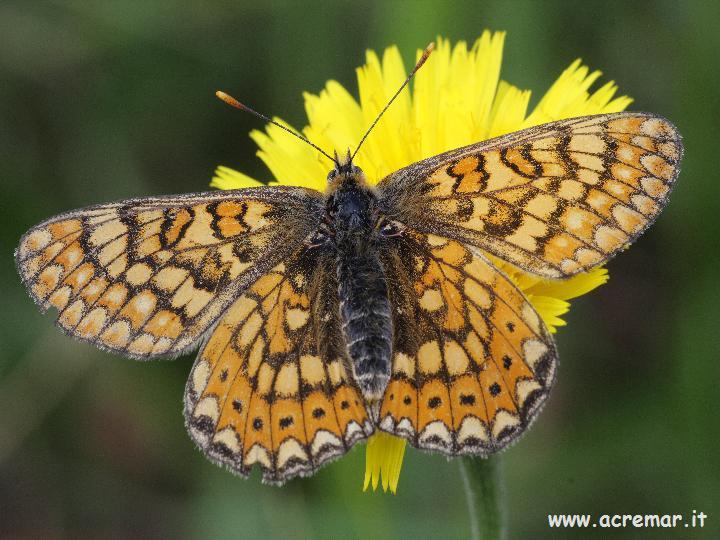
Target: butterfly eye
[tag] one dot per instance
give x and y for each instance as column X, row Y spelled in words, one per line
column 391, row 228
column 331, row 175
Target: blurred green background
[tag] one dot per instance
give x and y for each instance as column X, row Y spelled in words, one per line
column 106, row 100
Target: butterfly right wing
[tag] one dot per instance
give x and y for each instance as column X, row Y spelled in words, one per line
column 147, row 277
column 273, row 385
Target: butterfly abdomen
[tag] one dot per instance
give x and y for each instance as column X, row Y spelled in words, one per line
column 366, row 322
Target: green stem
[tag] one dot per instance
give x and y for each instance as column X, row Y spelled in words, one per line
column 482, row 479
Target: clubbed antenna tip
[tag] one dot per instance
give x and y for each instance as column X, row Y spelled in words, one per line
column 227, row 98
column 430, row 48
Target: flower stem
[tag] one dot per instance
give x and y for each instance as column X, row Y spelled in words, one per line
column 482, row 480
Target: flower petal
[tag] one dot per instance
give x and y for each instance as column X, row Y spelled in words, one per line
column 550, row 310
column 386, row 149
column 291, row 161
column 336, row 120
column 509, row 109
column 227, row 178
column 383, row 460
column 568, row 97
column 571, row 288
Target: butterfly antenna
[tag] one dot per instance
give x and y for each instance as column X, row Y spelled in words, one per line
column 419, row 64
column 235, row 103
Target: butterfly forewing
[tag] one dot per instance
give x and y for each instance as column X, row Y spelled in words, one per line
column 148, row 277
column 554, row 200
column 271, row 386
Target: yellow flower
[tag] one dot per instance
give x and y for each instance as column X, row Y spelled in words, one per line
column 457, row 99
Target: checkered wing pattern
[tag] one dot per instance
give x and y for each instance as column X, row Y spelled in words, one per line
column 273, row 385
column 472, row 360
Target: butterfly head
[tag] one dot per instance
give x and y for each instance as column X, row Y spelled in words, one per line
column 344, row 171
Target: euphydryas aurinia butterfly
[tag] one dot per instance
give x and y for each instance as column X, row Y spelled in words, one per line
column 322, row 317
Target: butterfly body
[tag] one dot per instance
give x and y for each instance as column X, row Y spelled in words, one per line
column 365, row 312
column 322, row 317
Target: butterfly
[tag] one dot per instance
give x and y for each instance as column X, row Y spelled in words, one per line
column 322, row 317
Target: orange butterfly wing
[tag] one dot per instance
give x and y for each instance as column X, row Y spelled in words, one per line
column 147, row 277
column 472, row 360
column 272, row 385
column 554, row 200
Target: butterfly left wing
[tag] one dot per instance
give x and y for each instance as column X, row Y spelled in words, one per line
column 272, row 385
column 553, row 200
column 472, row 360
column 148, row 277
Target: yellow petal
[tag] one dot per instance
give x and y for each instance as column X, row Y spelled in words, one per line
column 568, row 96
column 567, row 289
column 336, row 120
column 487, row 61
column 550, row 309
column 227, row 178
column 509, row 109
column 386, row 149
column 383, row 461
column 291, row 161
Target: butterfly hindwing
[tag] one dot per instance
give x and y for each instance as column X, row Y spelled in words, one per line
column 147, row 277
column 472, row 360
column 272, row 385
column 554, row 200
